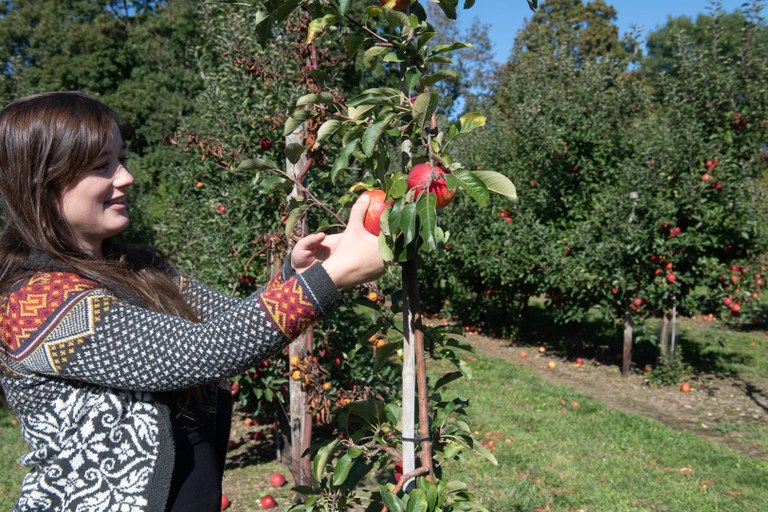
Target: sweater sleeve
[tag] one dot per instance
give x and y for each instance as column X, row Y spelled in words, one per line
column 208, row 302
column 62, row 325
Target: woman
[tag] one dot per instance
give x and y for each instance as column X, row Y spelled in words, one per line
column 108, row 356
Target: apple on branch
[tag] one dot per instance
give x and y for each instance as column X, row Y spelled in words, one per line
column 372, row 220
column 428, row 176
column 397, row 5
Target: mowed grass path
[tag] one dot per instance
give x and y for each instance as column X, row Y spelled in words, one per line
column 565, row 452
column 568, row 452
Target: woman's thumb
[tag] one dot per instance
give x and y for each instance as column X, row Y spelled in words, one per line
column 357, row 214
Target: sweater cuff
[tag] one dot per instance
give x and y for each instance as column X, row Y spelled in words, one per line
column 322, row 288
column 287, row 271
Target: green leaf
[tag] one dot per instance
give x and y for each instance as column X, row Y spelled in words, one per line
column 427, row 213
column 305, row 490
column 430, row 492
column 371, row 55
column 318, row 26
column 342, row 161
column 324, row 98
column 412, row 76
column 398, row 187
column 294, row 217
column 465, row 369
column 296, row 119
column 293, row 151
column 443, row 48
column 392, row 57
column 497, row 182
column 485, row 452
column 449, row 8
column 343, row 6
column 323, row 454
column 374, row 131
column 390, row 500
column 257, row 164
column 471, row 121
column 445, row 379
column 451, row 450
column 375, row 96
column 341, row 470
column 263, row 26
column 439, row 75
column 396, row 18
column 353, row 41
column 473, row 185
column 285, row 9
column 408, row 222
column 417, row 501
column 423, row 108
column 327, row 129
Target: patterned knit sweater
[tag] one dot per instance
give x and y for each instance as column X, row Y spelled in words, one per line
column 82, row 369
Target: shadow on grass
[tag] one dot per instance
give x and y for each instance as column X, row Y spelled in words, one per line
column 704, row 350
column 247, row 454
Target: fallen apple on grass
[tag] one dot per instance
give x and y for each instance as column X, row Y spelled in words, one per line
column 277, row 480
column 267, row 502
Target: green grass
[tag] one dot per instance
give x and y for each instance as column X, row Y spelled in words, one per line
column 593, row 458
column 11, row 448
column 589, row 457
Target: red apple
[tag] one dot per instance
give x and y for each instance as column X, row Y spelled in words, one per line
column 268, row 501
column 234, row 388
column 685, row 387
column 398, row 470
column 224, row 502
column 399, row 5
column 727, row 302
column 735, row 308
column 671, row 278
column 426, row 176
column 376, row 207
column 276, row 480
column 637, row 302
column 579, row 360
column 221, row 208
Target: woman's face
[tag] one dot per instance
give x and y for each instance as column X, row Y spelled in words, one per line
column 95, row 205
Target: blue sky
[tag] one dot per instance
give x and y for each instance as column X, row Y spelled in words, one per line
column 506, row 17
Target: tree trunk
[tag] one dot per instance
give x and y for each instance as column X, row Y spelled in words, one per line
column 300, row 347
column 664, row 335
column 409, row 387
column 626, row 360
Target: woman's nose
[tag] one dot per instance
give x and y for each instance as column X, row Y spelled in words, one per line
column 123, row 177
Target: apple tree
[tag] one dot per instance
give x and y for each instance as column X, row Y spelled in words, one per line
column 640, row 193
column 387, row 137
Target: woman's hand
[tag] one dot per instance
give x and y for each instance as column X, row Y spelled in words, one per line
column 355, row 259
column 312, row 249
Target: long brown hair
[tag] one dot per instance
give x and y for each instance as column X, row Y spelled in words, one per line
column 46, row 141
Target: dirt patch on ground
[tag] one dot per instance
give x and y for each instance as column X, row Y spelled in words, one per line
column 729, row 411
